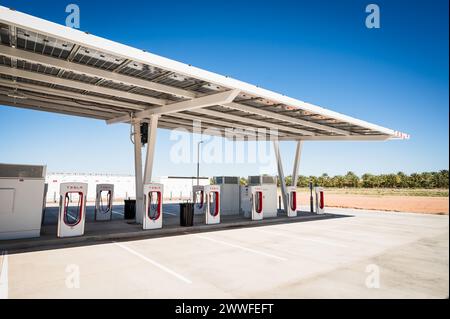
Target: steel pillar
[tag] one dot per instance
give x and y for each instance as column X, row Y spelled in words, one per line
column 138, row 172
column 151, row 142
column 298, row 153
column 284, row 194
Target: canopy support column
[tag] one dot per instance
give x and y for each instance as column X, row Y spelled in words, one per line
column 138, row 172
column 152, row 133
column 284, row 194
column 298, row 153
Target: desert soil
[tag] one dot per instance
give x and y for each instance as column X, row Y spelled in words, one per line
column 413, row 204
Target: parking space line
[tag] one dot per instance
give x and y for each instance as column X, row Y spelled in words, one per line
column 320, row 229
column 4, row 277
column 360, row 238
column 242, row 248
column 173, row 214
column 154, row 263
column 300, row 238
column 117, row 213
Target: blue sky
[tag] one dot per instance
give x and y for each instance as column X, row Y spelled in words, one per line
column 317, row 51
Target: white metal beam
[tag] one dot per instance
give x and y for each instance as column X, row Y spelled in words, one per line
column 171, row 125
column 215, row 131
column 79, row 85
column 189, row 105
column 69, row 94
column 281, row 117
column 247, row 120
column 281, row 138
column 183, row 123
column 70, row 105
column 349, row 138
column 54, row 108
column 91, row 71
column 220, row 122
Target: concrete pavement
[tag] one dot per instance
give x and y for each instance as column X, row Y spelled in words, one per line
column 370, row 255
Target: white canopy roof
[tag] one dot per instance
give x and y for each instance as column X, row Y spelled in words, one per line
column 50, row 67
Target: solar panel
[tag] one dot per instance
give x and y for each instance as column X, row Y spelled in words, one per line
column 83, row 75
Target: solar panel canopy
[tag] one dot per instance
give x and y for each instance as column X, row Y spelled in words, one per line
column 50, row 67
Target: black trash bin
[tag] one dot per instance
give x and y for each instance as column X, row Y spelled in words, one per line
column 130, row 209
column 186, row 214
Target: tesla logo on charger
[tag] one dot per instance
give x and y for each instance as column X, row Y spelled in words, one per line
column 75, row 187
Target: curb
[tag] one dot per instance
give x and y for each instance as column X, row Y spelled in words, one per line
column 40, row 244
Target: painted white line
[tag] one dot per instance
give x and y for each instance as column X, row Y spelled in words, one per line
column 359, row 238
column 242, row 248
column 154, row 263
column 4, row 277
column 320, row 229
column 117, row 213
column 300, row 238
column 173, row 214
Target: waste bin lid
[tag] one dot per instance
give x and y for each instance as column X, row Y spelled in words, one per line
column 186, row 204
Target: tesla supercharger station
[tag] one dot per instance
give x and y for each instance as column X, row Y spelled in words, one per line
column 291, row 210
column 199, row 199
column 212, row 211
column 320, row 200
column 256, row 202
column 153, row 214
column 104, row 202
column 72, row 209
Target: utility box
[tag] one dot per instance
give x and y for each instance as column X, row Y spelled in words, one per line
column 21, row 193
column 229, row 194
column 270, row 193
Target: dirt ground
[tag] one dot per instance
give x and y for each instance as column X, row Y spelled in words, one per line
column 413, row 204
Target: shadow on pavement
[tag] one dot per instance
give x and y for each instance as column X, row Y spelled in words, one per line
column 119, row 229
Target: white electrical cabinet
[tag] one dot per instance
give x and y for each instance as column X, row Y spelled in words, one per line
column 21, row 196
column 229, row 194
column 270, row 193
